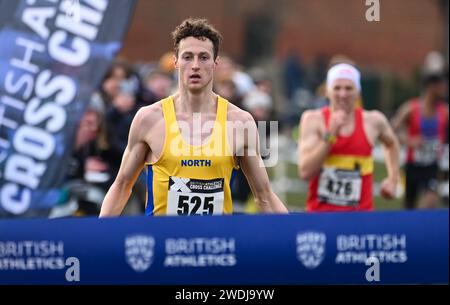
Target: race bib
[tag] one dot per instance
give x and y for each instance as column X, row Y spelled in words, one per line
column 340, row 187
column 428, row 153
column 195, row 197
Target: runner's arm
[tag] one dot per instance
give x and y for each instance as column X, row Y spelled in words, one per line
column 399, row 122
column 391, row 154
column 312, row 150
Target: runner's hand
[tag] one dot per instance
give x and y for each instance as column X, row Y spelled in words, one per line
column 337, row 120
column 387, row 188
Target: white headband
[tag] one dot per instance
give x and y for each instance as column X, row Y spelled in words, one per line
column 344, row 71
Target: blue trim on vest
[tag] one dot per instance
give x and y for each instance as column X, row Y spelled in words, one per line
column 233, row 175
column 150, row 204
column 429, row 127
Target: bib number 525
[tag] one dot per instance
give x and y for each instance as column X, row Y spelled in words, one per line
column 194, row 206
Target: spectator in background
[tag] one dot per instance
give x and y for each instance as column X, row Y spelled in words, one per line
column 93, row 157
column 119, row 115
column 296, row 94
column 259, row 104
column 110, row 85
column 90, row 145
column 228, row 69
column 166, row 64
column 88, row 169
column 264, row 108
column 227, row 89
column 262, row 80
column 157, row 85
column 421, row 124
column 158, row 79
column 293, row 74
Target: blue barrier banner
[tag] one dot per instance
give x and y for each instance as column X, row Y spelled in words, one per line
column 53, row 55
column 332, row 248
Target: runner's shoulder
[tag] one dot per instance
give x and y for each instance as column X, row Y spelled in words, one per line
column 150, row 113
column 375, row 117
column 313, row 116
column 236, row 114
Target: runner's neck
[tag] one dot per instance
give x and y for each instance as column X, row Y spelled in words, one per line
column 429, row 105
column 192, row 103
column 349, row 116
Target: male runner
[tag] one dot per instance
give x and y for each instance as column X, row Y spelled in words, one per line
column 189, row 173
column 425, row 119
column 335, row 148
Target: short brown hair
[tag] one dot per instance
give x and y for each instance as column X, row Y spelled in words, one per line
column 198, row 28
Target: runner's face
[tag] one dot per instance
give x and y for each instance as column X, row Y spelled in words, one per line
column 196, row 64
column 439, row 90
column 343, row 95
column 111, row 85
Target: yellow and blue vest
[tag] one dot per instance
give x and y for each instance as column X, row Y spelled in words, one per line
column 188, row 179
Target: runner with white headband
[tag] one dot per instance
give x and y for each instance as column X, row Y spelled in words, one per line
column 335, row 148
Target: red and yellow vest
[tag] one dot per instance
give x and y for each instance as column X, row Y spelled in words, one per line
column 345, row 180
